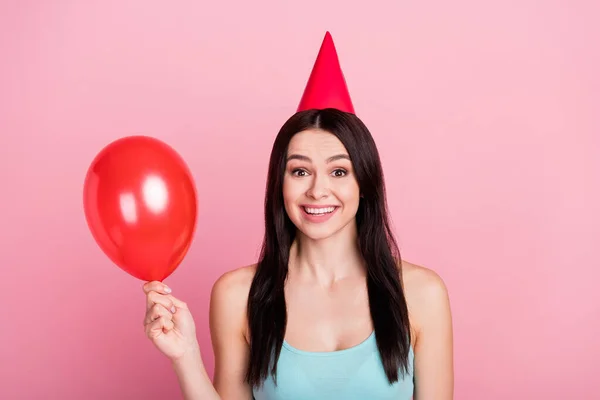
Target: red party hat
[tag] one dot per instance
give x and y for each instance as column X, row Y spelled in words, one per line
column 326, row 87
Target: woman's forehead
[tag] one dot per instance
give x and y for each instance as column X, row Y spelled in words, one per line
column 317, row 142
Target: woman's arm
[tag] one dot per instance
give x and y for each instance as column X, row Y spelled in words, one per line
column 193, row 379
column 169, row 324
column 227, row 326
column 434, row 364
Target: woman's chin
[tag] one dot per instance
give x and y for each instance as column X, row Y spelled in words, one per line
column 323, row 232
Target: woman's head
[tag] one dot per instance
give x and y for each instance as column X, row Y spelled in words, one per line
column 324, row 174
column 326, row 159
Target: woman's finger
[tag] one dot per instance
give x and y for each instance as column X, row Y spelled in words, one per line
column 155, row 312
column 158, row 327
column 153, row 298
column 156, row 286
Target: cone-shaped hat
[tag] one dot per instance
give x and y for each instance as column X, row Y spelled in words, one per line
column 326, row 87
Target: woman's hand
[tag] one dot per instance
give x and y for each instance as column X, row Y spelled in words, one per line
column 168, row 322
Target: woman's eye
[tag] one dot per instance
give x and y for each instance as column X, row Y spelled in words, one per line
column 338, row 173
column 299, row 172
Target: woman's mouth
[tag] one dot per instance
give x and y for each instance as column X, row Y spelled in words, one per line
column 319, row 210
column 318, row 214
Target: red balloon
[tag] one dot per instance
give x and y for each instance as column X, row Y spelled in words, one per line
column 140, row 205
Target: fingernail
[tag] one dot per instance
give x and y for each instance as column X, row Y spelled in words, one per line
column 167, row 289
column 173, row 309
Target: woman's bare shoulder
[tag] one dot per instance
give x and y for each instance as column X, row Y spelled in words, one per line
column 229, row 298
column 417, row 278
column 234, row 285
column 425, row 292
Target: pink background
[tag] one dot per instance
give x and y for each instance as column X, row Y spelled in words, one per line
column 486, row 116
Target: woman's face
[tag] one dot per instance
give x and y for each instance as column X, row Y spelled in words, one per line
column 320, row 192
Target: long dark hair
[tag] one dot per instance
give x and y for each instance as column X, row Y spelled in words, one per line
column 267, row 315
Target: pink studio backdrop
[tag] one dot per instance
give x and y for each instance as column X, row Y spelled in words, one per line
column 486, row 116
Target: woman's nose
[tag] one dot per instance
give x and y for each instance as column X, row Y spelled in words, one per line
column 319, row 187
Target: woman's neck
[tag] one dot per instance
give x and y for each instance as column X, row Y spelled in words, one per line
column 329, row 260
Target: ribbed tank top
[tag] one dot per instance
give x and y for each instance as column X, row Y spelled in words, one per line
column 350, row 374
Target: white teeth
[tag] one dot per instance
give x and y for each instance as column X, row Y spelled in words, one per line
column 318, row 211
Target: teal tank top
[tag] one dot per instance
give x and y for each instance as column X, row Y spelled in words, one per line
column 355, row 373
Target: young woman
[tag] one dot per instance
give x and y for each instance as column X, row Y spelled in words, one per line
column 330, row 311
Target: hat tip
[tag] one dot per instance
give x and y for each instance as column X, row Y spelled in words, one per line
column 326, row 86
